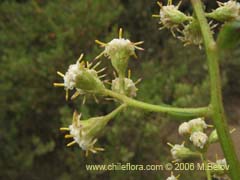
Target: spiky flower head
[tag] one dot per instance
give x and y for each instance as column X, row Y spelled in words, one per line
column 83, row 77
column 84, row 132
column 226, row 11
column 118, row 51
column 180, row 152
column 170, row 16
column 199, row 139
column 191, row 34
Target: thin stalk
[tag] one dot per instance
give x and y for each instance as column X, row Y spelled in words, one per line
column 208, row 173
column 186, row 112
column 217, row 114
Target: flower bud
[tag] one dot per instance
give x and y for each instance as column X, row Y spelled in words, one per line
column 180, row 152
column 171, row 17
column 119, row 50
column 85, row 132
column 226, row 11
column 213, row 137
column 129, row 87
column 184, row 129
column 199, row 139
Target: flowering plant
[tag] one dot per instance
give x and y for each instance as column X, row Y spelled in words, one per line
column 197, row 30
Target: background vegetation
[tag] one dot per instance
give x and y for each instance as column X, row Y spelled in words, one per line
column 39, row 37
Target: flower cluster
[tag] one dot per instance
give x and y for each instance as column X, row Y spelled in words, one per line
column 85, row 80
column 193, row 130
column 186, row 28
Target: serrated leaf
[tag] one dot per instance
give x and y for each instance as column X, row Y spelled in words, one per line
column 229, row 35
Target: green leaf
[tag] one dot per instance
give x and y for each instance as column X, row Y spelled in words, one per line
column 229, row 35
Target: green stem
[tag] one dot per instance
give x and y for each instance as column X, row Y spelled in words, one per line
column 218, row 114
column 112, row 114
column 186, row 112
column 208, row 173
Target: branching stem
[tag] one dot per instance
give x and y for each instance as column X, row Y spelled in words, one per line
column 217, row 109
column 183, row 112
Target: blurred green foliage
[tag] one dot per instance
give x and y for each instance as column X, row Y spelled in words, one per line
column 38, row 38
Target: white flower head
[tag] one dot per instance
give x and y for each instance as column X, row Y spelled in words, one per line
column 184, row 129
column 83, row 77
column 197, row 124
column 176, row 149
column 119, row 47
column 199, row 139
column 122, row 45
column 70, row 76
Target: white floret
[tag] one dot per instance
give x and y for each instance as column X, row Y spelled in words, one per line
column 199, row 139
column 184, row 128
column 70, row 76
column 198, row 122
column 117, row 45
column 175, row 150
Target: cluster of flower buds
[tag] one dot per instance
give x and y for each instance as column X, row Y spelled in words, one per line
column 193, row 130
column 85, row 80
column 83, row 77
column 188, row 27
column 227, row 11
